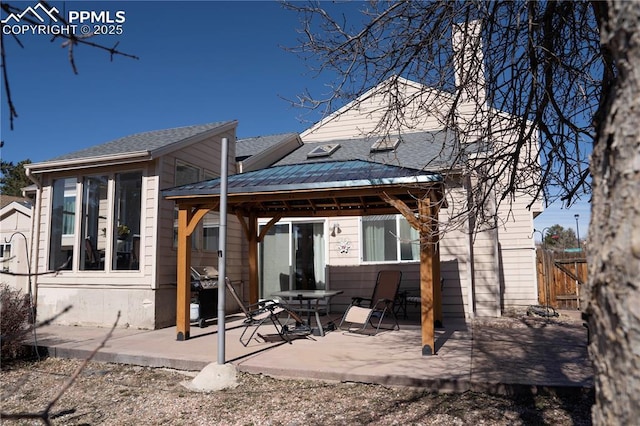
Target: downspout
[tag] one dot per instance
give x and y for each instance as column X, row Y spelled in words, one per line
column 35, row 238
column 470, row 258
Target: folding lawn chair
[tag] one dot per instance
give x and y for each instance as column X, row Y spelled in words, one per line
column 268, row 310
column 360, row 314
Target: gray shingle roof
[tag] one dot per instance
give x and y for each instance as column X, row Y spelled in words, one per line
column 5, row 200
column 146, row 141
column 422, row 150
column 247, row 147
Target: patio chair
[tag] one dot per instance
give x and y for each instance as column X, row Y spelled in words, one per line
column 364, row 311
column 268, row 310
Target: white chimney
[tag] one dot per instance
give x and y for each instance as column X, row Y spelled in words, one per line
column 470, row 81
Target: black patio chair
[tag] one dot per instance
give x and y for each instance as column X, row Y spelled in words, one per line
column 268, row 310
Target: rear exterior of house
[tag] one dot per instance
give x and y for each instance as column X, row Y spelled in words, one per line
column 102, row 225
column 485, row 268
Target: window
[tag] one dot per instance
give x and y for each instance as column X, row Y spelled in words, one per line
column 126, row 225
column 323, row 150
column 186, row 173
column 389, row 238
column 94, row 222
column 204, row 237
column 210, row 232
column 386, row 143
column 5, row 251
column 63, row 224
column 108, row 216
column 5, row 255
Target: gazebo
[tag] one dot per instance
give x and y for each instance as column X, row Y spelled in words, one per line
column 320, row 189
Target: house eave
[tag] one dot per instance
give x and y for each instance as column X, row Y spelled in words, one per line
column 89, row 162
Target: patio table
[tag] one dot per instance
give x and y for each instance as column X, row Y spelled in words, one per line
column 309, row 296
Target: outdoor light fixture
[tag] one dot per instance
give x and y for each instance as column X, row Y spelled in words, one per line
column 335, row 229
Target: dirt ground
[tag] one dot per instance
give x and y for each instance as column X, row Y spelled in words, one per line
column 117, row 394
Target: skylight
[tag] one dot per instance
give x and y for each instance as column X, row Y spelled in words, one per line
column 323, row 150
column 386, row 143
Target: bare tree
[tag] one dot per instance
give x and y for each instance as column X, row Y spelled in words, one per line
column 554, row 81
column 542, row 66
column 68, row 40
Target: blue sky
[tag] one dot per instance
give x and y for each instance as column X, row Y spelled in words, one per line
column 199, row 62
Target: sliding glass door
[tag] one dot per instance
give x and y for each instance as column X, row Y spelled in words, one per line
column 292, row 256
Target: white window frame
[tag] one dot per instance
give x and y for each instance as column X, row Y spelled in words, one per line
column 361, row 238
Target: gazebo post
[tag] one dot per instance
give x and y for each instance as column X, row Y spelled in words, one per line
column 188, row 219
column 435, row 267
column 253, row 257
column 183, row 296
column 426, row 279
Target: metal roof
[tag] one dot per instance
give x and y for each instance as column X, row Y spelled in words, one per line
column 318, row 175
column 315, row 189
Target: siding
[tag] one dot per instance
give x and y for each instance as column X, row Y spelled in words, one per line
column 367, row 114
column 204, row 155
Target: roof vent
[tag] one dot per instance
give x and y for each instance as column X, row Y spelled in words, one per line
column 386, row 143
column 323, row 150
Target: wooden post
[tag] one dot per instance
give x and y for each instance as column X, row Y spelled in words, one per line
column 435, row 264
column 426, row 278
column 187, row 222
column 183, row 296
column 253, row 257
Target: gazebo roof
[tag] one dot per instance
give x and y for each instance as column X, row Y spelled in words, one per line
column 315, row 189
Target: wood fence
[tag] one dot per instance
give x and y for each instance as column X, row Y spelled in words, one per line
column 560, row 278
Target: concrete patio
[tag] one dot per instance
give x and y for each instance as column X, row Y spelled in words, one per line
column 503, row 355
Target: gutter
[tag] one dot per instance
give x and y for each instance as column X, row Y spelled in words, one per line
column 83, row 163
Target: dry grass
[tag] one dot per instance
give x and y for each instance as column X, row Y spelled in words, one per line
column 117, row 394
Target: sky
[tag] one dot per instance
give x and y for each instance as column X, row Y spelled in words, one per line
column 199, row 62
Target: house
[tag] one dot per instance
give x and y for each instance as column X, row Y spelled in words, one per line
column 104, row 223
column 15, row 234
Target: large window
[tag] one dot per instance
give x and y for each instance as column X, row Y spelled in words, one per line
column 63, row 224
column 389, row 238
column 128, row 201
column 94, row 222
column 107, row 214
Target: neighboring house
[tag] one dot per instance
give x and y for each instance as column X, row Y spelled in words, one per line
column 15, row 234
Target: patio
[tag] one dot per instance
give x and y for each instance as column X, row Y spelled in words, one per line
column 503, row 355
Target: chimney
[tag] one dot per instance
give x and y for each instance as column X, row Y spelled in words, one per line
column 469, row 78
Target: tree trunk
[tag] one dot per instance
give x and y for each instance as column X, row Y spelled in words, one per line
column 613, row 301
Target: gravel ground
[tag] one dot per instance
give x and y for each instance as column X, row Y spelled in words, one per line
column 114, row 394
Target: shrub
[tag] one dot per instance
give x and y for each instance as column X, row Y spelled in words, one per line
column 14, row 321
